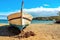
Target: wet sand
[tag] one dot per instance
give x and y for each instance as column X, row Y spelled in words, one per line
column 42, row 32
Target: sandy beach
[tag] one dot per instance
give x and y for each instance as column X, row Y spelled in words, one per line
column 42, row 32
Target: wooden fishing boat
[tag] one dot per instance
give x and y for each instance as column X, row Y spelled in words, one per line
column 58, row 21
column 20, row 19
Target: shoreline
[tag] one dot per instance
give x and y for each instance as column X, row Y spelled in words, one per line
column 33, row 24
column 1, row 24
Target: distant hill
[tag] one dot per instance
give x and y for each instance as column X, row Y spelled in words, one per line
column 3, row 16
column 47, row 18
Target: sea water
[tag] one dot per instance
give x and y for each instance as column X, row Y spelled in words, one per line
column 42, row 22
column 5, row 21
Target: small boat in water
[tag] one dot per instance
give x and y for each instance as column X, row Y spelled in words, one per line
column 58, row 21
column 20, row 19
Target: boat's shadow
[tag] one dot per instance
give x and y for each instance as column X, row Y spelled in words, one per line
column 6, row 30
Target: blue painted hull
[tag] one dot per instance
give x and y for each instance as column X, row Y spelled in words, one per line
column 20, row 27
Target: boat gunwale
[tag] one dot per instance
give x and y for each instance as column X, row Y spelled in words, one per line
column 20, row 17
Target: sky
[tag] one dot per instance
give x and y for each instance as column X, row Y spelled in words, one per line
column 34, row 7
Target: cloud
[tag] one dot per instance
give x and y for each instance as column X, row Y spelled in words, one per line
column 46, row 5
column 39, row 11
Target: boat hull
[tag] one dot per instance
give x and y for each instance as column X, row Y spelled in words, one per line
column 58, row 21
column 20, row 27
column 20, row 22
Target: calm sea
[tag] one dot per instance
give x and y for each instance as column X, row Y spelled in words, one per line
column 42, row 22
column 4, row 21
